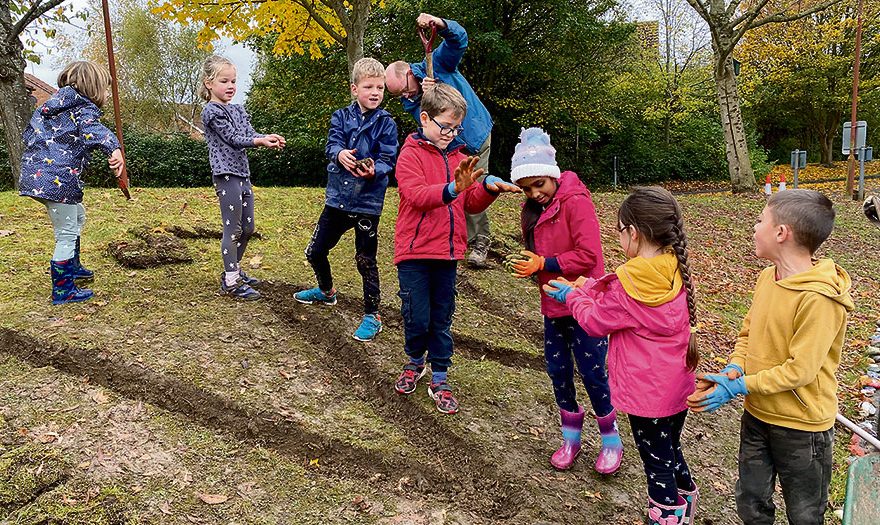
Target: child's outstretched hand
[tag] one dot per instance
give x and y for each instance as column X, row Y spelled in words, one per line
column 527, row 264
column 116, row 162
column 268, row 141
column 465, row 175
column 559, row 289
column 711, row 399
column 347, row 159
column 499, row 185
column 280, row 141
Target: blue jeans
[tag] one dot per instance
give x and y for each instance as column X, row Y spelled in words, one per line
column 427, row 295
column 564, row 338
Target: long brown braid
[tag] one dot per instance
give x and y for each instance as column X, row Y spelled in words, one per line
column 655, row 213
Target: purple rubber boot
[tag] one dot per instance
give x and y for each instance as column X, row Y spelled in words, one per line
column 611, row 453
column 691, row 497
column 666, row 514
column 572, row 423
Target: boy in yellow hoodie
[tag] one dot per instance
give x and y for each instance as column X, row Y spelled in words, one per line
column 784, row 363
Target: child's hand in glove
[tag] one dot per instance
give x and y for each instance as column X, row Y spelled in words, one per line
column 526, row 264
column 559, row 289
column 710, row 400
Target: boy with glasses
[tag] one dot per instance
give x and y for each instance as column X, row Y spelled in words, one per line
column 438, row 184
column 409, row 82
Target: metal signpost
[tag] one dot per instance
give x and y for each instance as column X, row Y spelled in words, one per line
column 798, row 162
column 859, row 150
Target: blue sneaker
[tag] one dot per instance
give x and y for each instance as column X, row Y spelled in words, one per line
column 248, row 280
column 239, row 290
column 315, row 295
column 369, row 328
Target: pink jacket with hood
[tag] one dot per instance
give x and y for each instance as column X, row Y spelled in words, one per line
column 568, row 232
column 646, row 319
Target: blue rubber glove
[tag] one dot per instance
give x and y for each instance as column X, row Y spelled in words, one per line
column 732, row 368
column 726, row 390
column 557, row 290
column 451, row 188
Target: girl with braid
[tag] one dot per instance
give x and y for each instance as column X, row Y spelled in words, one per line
column 647, row 309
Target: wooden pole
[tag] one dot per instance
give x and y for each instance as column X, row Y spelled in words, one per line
column 111, row 60
column 851, row 165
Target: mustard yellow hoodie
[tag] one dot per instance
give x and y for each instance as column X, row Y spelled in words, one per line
column 789, row 346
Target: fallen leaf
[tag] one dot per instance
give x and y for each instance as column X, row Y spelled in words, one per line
column 165, row 507
column 314, row 463
column 212, row 499
column 6, row 233
column 100, row 397
column 255, row 261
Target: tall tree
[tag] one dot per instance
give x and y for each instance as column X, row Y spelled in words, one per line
column 160, row 64
column 298, row 24
column 798, row 76
column 21, row 19
column 729, row 21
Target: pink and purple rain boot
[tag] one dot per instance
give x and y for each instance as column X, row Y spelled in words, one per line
column 611, row 453
column 691, row 497
column 666, row 514
column 572, row 424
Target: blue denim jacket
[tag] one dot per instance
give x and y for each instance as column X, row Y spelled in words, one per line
column 477, row 123
column 373, row 135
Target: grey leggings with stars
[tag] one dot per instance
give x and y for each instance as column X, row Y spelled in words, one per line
column 237, row 214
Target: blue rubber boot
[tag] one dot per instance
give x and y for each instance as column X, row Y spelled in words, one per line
column 79, row 272
column 64, row 288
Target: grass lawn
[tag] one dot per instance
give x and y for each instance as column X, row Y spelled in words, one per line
column 159, row 401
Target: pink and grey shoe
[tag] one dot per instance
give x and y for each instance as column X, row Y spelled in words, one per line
column 572, row 424
column 611, row 453
column 667, row 514
column 691, row 497
column 441, row 393
column 408, row 380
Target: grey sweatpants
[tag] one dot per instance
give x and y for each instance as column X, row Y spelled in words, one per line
column 478, row 223
column 237, row 213
column 801, row 459
column 67, row 221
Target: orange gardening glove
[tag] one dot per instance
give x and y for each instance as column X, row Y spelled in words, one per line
column 529, row 264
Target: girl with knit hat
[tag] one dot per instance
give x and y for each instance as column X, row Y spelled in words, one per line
column 647, row 309
column 561, row 236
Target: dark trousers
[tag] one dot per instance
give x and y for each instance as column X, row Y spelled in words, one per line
column 332, row 224
column 237, row 213
column 659, row 443
column 427, row 297
column 564, row 339
column 801, row 459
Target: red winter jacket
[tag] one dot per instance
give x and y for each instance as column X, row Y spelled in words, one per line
column 568, row 230
column 427, row 227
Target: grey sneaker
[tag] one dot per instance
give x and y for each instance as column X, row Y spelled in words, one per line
column 479, row 251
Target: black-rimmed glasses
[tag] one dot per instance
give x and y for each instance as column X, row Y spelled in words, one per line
column 447, row 131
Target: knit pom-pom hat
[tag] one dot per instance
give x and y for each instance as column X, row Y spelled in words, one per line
column 533, row 156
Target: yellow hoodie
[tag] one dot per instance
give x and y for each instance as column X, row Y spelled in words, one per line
column 789, row 346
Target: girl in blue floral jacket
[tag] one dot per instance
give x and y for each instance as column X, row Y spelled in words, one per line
column 57, row 145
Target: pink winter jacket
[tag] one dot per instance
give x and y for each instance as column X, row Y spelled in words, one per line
column 427, row 227
column 568, row 230
column 647, row 346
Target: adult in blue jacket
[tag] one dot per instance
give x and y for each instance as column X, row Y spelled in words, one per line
column 408, row 81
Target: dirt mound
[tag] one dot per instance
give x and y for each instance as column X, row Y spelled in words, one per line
column 150, row 248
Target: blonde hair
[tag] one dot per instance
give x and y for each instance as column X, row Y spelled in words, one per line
column 443, row 97
column 89, row 79
column 367, row 68
column 212, row 67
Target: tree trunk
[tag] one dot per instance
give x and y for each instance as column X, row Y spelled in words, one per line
column 826, row 142
column 739, row 166
column 355, row 31
column 15, row 107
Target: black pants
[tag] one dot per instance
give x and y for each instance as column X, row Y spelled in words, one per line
column 801, row 459
column 332, row 224
column 659, row 443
